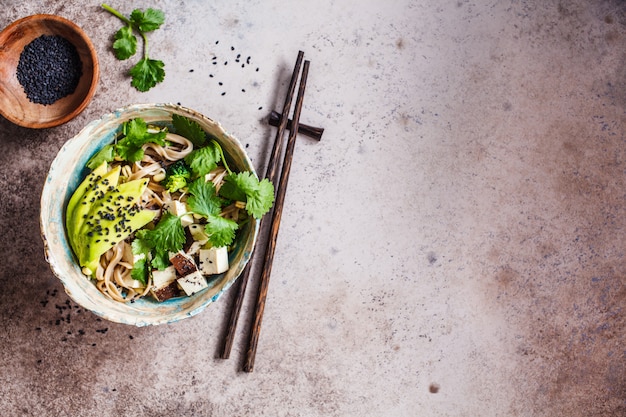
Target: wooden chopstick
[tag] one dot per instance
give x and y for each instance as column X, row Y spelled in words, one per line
column 276, row 216
column 270, row 174
column 306, row 130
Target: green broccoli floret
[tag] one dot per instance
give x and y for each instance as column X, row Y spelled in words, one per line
column 176, row 176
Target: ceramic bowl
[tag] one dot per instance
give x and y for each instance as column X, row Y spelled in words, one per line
column 66, row 173
column 14, row 103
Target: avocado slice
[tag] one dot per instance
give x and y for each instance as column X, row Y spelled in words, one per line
column 112, row 219
column 94, row 192
column 88, row 182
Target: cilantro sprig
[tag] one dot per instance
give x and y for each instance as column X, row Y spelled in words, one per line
column 147, row 72
column 135, row 134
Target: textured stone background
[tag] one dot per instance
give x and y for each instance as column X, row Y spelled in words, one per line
column 453, row 247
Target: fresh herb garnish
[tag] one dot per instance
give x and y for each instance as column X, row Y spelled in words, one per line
column 204, row 160
column 189, row 129
column 147, row 72
column 167, row 236
column 135, row 134
column 243, row 186
column 203, row 199
column 221, row 231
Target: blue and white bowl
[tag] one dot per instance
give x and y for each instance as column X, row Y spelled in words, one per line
column 66, row 173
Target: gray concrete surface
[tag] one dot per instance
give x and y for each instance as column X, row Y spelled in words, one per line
column 453, row 247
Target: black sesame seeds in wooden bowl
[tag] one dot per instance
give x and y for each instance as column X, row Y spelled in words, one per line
column 48, row 71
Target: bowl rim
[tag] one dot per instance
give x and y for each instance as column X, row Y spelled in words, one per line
column 58, row 261
column 93, row 83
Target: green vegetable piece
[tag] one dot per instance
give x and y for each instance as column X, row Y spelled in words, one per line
column 243, row 186
column 111, row 220
column 147, row 21
column 147, row 73
column 92, row 196
column 176, row 176
column 221, row 231
column 80, row 191
column 140, row 271
column 260, row 201
column 189, row 129
column 106, row 154
column 203, row 160
column 203, row 199
column 125, row 44
column 167, row 236
column 136, row 134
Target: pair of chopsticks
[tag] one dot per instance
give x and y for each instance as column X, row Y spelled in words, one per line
column 283, row 123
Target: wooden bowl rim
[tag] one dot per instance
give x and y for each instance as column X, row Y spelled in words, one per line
column 93, row 83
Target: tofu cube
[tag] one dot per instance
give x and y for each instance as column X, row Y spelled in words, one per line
column 192, row 283
column 213, row 261
column 164, row 285
column 178, row 208
column 163, row 278
column 183, row 263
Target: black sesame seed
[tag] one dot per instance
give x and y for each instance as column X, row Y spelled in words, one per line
column 49, row 69
column 224, row 93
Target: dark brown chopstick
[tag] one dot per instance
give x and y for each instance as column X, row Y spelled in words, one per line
column 306, row 130
column 276, row 216
column 272, row 169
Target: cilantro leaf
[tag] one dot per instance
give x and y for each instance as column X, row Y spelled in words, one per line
column 203, row 160
column 106, row 154
column 140, row 271
column 147, row 73
column 203, row 199
column 140, row 247
column 260, row 201
column 142, row 250
column 161, row 261
column 167, row 236
column 136, row 133
column 243, row 186
column 237, row 185
column 125, row 44
column 189, row 129
column 221, row 231
column 147, row 21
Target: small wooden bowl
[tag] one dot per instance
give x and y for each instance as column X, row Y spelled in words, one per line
column 14, row 104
